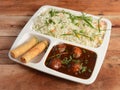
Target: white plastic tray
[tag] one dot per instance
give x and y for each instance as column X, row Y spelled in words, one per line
column 39, row 62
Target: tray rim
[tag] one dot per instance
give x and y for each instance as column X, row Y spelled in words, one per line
column 96, row 50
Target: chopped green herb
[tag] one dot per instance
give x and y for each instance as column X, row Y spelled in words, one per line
column 56, row 55
column 76, row 33
column 47, row 62
column 67, row 60
column 99, row 23
column 77, row 24
column 84, row 68
column 87, row 19
column 81, row 31
column 84, row 24
column 51, row 21
column 62, row 27
column 88, row 23
column 46, row 23
column 53, row 13
column 72, row 17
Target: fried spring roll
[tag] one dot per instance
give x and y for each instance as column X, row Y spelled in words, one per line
column 24, row 47
column 33, row 52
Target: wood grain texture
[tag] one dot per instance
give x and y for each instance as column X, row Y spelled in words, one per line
column 102, row 7
column 23, row 78
column 14, row 14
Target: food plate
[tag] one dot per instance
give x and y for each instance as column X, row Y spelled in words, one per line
column 39, row 62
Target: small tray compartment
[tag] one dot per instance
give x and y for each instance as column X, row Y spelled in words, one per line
column 26, row 37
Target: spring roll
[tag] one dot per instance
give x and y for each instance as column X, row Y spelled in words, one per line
column 24, row 47
column 33, row 52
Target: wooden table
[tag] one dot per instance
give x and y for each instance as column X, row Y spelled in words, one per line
column 14, row 14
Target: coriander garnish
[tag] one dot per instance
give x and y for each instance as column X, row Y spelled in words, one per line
column 53, row 13
column 84, row 68
column 56, row 55
column 67, row 60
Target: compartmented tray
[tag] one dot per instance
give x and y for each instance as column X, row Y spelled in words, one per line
column 39, row 62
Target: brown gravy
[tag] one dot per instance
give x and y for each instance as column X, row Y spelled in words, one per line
column 72, row 60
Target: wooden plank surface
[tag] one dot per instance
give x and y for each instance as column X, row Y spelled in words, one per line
column 14, row 14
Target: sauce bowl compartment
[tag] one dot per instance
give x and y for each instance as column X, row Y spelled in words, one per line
column 71, row 60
